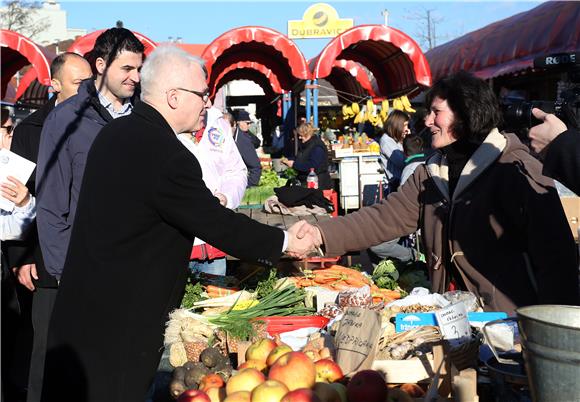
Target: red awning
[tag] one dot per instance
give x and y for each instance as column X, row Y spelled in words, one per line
column 254, row 68
column 18, row 51
column 86, row 43
column 511, row 44
column 261, row 45
column 351, row 77
column 394, row 59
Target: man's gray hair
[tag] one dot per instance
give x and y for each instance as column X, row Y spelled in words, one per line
column 156, row 71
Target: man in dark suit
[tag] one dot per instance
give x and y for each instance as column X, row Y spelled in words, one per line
column 141, row 204
column 67, row 71
column 246, row 143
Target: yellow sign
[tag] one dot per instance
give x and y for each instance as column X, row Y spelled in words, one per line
column 319, row 21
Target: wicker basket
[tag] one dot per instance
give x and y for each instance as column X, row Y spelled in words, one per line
column 465, row 355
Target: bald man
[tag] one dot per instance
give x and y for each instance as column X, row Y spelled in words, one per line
column 67, row 71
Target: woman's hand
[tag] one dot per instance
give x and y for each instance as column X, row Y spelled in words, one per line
column 15, row 191
column 287, row 162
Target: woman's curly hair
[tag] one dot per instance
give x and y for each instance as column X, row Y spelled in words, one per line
column 473, row 103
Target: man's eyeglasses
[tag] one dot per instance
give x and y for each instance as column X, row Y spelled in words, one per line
column 8, row 128
column 203, row 95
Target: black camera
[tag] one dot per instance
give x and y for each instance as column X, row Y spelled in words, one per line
column 517, row 113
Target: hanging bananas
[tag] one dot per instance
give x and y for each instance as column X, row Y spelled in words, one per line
column 407, row 104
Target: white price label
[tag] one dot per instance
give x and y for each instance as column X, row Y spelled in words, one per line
column 453, row 322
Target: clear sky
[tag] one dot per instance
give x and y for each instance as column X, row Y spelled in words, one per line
column 202, row 21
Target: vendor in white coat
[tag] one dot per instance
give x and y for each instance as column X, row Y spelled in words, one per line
column 224, row 173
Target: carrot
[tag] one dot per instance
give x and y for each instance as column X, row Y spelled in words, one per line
column 216, row 291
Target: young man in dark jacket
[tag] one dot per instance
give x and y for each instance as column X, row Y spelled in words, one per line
column 67, row 70
column 69, row 132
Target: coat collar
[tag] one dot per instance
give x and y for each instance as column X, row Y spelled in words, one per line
column 487, row 153
column 152, row 115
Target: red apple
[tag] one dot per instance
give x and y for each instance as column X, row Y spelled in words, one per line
column 326, row 393
column 193, row 395
column 327, row 371
column 245, row 380
column 210, row 381
column 240, row 396
column 260, row 349
column 368, row 386
column 269, row 391
column 295, row 370
column 301, row 395
column 257, row 364
column 276, row 353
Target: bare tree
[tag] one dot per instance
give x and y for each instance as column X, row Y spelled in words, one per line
column 18, row 16
column 427, row 23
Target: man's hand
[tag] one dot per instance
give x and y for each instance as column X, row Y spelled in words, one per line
column 25, row 274
column 543, row 134
column 303, row 239
column 223, row 199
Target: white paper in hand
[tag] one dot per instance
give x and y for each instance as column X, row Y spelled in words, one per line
column 15, row 166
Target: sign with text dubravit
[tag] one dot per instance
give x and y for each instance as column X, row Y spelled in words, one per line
column 319, row 21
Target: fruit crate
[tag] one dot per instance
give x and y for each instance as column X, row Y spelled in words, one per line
column 278, row 325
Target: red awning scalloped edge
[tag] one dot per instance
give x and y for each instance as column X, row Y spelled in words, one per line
column 379, row 33
column 30, row 50
column 86, row 43
column 277, row 40
column 274, row 82
column 358, row 73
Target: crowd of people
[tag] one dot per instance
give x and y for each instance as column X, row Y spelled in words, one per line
column 133, row 170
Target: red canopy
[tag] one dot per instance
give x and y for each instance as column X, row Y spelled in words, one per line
column 393, row 58
column 270, row 84
column 511, row 44
column 86, row 43
column 351, row 77
column 264, row 46
column 18, row 51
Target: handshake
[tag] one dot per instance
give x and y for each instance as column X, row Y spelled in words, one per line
column 303, row 240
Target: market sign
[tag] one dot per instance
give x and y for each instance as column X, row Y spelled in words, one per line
column 319, row 21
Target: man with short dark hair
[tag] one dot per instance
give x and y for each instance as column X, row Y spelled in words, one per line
column 69, row 132
column 67, row 71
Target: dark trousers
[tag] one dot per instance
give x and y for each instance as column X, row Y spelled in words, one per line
column 42, row 305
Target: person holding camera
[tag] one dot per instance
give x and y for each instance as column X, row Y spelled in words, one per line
column 490, row 222
column 560, row 148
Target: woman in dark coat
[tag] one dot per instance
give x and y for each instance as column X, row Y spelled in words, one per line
column 312, row 154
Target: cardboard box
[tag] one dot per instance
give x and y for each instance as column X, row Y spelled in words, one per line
column 407, row 371
column 571, row 207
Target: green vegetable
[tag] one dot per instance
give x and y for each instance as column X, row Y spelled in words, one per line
column 290, row 173
column 266, row 286
column 280, row 302
column 385, row 275
column 193, row 293
column 269, row 178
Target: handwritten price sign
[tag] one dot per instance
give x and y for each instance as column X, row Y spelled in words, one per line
column 453, row 322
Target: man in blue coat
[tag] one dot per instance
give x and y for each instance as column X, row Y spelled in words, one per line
column 69, row 132
column 142, row 203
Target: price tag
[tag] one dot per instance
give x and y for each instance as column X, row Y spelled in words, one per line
column 356, row 339
column 453, row 323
